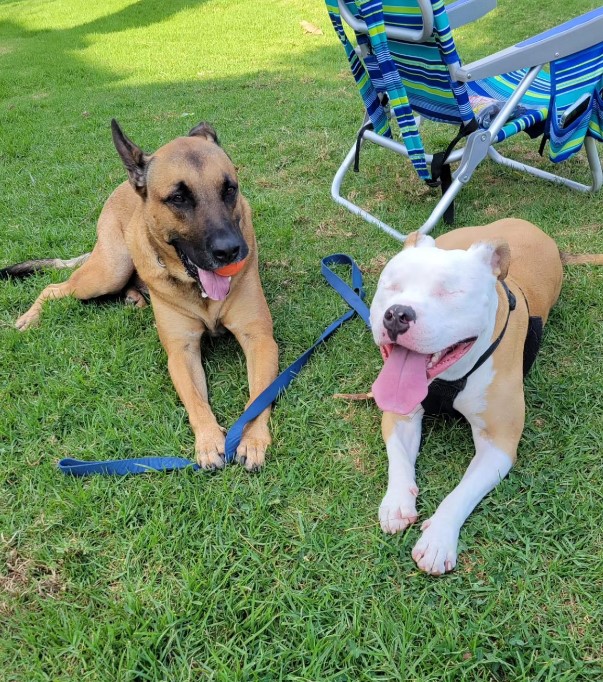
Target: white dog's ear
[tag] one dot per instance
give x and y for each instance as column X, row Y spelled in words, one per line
column 496, row 254
column 416, row 240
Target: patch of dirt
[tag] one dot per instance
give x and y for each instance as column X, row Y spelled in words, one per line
column 309, row 27
column 281, row 264
column 23, row 576
column 466, row 563
column 491, row 211
column 328, row 228
column 356, row 455
column 375, row 265
column 265, row 183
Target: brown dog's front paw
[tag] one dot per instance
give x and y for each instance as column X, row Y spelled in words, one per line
column 27, row 320
column 251, row 453
column 209, row 450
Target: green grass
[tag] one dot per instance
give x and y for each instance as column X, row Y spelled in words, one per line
column 284, row 575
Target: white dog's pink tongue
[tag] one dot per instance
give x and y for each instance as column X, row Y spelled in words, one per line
column 215, row 286
column 402, row 383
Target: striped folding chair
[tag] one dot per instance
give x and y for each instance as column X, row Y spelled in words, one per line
column 406, row 67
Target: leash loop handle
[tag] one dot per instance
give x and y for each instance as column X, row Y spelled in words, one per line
column 353, row 296
column 121, row 467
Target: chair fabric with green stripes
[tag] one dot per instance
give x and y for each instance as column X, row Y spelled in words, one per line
column 406, row 67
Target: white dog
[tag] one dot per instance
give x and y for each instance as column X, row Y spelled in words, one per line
column 467, row 308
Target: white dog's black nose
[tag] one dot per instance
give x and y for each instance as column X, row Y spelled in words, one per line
column 397, row 319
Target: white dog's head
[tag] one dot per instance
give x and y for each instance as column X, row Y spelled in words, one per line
column 430, row 308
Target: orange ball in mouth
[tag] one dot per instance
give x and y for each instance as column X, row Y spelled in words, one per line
column 231, row 269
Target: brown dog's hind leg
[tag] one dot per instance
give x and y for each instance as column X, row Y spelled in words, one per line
column 135, row 298
column 136, row 292
column 107, row 271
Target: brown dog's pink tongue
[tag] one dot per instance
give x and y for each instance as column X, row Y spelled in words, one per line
column 215, row 286
column 402, row 383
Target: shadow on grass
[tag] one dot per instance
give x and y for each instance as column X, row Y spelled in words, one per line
column 284, row 127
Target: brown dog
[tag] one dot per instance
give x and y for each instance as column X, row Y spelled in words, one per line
column 180, row 218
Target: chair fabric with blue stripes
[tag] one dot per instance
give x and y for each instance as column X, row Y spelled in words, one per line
column 406, row 66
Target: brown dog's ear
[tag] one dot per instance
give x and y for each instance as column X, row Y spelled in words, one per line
column 134, row 159
column 418, row 240
column 496, row 254
column 204, row 130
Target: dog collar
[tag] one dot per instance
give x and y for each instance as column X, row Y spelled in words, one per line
column 494, row 345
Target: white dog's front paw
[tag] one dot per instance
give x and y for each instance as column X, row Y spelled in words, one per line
column 398, row 510
column 435, row 551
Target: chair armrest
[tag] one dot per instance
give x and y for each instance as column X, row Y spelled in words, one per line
column 464, row 12
column 572, row 36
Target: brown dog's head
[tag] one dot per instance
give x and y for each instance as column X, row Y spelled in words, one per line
column 191, row 198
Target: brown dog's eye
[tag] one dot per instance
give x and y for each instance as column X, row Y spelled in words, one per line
column 229, row 190
column 181, row 197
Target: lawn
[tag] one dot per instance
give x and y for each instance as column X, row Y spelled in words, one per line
column 284, row 575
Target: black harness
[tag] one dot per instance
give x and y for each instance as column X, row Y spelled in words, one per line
column 442, row 394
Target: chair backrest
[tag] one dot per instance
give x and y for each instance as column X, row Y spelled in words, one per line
column 406, row 49
column 411, row 21
column 420, row 43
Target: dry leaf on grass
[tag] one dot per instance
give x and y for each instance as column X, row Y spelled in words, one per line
column 353, row 396
column 310, row 28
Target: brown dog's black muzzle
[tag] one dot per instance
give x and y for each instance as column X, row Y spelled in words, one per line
column 227, row 247
column 219, row 248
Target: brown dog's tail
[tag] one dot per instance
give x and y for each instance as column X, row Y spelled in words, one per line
column 581, row 258
column 29, row 267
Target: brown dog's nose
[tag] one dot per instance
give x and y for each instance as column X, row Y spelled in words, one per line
column 397, row 319
column 227, row 248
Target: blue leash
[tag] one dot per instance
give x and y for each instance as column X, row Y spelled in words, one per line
column 353, row 296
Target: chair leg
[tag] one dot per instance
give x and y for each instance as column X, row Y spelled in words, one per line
column 398, row 148
column 474, row 152
column 353, row 208
column 437, row 213
column 477, row 148
column 427, row 226
column 594, row 163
